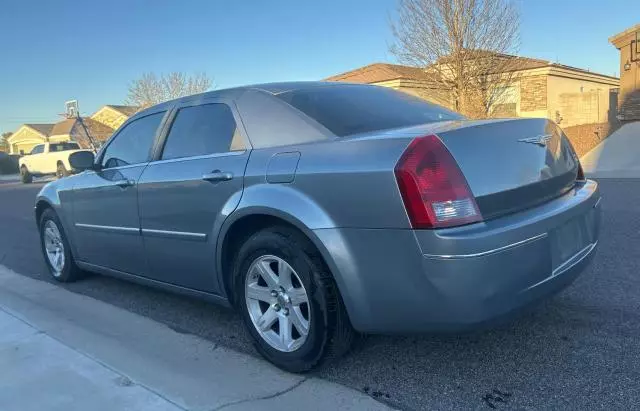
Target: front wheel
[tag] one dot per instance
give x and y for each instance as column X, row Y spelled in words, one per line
column 25, row 175
column 289, row 301
column 56, row 250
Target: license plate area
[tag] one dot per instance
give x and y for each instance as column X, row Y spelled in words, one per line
column 568, row 239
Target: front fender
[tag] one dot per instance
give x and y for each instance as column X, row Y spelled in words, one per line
column 57, row 195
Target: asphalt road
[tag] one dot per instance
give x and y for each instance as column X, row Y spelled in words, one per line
column 579, row 350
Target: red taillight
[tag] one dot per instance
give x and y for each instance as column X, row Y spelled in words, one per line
column 434, row 191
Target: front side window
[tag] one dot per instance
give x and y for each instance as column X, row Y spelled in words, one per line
column 37, row 149
column 133, row 143
column 202, row 130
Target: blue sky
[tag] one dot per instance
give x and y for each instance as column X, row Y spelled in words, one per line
column 53, row 51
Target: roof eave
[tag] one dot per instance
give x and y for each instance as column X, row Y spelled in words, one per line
column 618, row 40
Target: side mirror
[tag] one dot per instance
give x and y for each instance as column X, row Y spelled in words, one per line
column 82, row 160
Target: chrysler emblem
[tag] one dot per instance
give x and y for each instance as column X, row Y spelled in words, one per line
column 540, row 140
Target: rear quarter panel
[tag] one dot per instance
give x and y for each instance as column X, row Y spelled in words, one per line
column 338, row 183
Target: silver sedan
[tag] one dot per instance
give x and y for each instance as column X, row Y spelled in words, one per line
column 325, row 210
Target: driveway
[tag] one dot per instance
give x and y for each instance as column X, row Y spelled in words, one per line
column 616, row 157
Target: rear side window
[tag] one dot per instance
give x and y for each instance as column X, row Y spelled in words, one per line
column 133, row 143
column 353, row 109
column 202, row 130
column 63, row 147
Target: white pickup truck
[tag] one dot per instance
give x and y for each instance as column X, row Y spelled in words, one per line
column 47, row 158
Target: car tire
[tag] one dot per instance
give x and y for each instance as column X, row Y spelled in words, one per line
column 61, row 171
column 25, row 175
column 55, row 249
column 329, row 331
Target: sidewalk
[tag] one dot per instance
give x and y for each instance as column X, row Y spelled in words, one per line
column 8, row 178
column 64, row 351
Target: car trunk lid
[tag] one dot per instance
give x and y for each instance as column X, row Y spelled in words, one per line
column 509, row 164
column 513, row 165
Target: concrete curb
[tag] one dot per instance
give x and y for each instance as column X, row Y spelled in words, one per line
column 9, row 178
column 183, row 370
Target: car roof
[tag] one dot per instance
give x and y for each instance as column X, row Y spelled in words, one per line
column 272, row 88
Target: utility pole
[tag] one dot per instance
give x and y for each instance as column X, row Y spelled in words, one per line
column 72, row 111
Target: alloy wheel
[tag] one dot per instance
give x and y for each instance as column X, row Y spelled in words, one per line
column 277, row 303
column 54, row 247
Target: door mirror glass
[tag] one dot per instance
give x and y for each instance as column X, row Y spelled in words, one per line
column 82, row 160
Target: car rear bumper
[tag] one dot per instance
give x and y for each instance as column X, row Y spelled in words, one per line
column 452, row 279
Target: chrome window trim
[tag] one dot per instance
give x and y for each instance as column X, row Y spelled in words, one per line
column 200, row 157
column 109, row 228
column 125, row 167
column 487, row 252
column 116, row 168
column 183, row 235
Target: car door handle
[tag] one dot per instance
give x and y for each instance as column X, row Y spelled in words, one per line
column 218, row 175
column 124, row 183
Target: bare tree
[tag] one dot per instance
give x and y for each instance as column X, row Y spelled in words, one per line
column 152, row 89
column 467, row 46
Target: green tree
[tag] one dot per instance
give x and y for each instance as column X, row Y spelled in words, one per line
column 4, row 145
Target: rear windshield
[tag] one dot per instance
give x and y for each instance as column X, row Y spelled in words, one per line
column 346, row 110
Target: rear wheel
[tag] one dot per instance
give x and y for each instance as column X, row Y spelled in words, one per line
column 25, row 175
column 289, row 301
column 56, row 250
column 61, row 171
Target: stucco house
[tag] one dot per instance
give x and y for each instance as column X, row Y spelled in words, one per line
column 568, row 95
column 101, row 125
column 628, row 42
column 113, row 115
column 27, row 136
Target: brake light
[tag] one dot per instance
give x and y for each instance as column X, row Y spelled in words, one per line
column 434, row 191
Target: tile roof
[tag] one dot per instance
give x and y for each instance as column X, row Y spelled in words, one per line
column 377, row 72
column 63, row 127
column 126, row 110
column 97, row 129
column 42, row 128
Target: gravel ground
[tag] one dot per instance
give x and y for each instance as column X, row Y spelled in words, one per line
column 579, row 350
